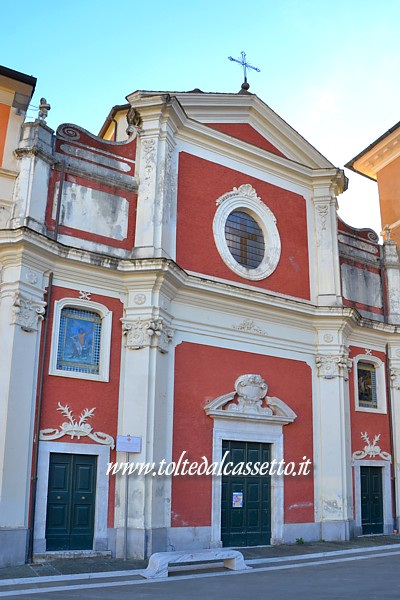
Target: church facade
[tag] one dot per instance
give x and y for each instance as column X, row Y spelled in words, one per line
column 183, row 281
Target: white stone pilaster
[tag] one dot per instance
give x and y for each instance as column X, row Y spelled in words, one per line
column 21, row 313
column 394, row 374
column 31, row 187
column 392, row 270
column 157, row 174
column 333, row 474
column 327, row 252
column 145, row 410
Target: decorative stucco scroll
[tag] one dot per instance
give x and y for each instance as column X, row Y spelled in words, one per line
column 249, row 326
column 371, row 449
column 78, row 428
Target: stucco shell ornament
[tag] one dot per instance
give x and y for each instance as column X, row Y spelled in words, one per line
column 78, row 428
column 250, row 401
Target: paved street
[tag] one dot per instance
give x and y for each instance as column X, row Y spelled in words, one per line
column 366, row 573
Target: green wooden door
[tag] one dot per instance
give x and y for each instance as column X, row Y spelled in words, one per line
column 246, row 500
column 371, row 500
column 71, row 502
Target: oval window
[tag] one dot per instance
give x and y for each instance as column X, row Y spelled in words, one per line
column 244, row 239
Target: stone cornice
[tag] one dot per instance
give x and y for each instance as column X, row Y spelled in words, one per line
column 35, row 151
column 118, row 275
column 249, row 108
column 218, row 143
column 295, row 169
column 379, row 156
column 127, row 183
column 8, row 174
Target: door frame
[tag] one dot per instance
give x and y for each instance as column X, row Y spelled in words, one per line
column 386, row 493
column 100, row 538
column 248, row 431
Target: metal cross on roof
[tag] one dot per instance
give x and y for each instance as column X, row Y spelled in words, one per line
column 245, row 65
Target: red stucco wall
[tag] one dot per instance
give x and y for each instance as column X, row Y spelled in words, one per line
column 202, row 374
column 200, row 184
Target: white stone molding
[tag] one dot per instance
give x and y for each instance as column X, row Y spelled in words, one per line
column 157, row 172
column 258, row 419
column 142, row 333
column 371, row 449
column 149, row 152
column 323, row 215
column 245, row 198
column 384, row 465
column 149, row 147
column 101, row 501
column 28, row 312
column 249, row 326
column 380, row 383
column 326, row 249
column 395, row 378
column 76, row 428
column 333, row 365
column 250, row 401
column 105, row 340
column 168, row 185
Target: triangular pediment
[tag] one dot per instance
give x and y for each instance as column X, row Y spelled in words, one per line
column 223, row 110
column 249, row 400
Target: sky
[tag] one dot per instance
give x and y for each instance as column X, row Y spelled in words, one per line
column 330, row 68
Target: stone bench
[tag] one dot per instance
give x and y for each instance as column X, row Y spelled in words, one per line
column 160, row 561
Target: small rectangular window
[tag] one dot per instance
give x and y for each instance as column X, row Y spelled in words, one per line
column 79, row 338
column 366, row 374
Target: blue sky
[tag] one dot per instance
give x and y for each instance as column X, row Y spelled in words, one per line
column 330, row 68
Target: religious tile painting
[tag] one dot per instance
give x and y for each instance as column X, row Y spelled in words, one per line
column 79, row 341
column 366, row 385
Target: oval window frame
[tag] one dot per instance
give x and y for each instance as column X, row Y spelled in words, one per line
column 245, row 199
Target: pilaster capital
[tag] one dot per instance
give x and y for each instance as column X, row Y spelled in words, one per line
column 152, row 332
column 390, row 254
column 395, row 378
column 28, row 312
column 331, row 366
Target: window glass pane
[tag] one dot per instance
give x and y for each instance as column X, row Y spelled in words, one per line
column 245, row 239
column 79, row 341
column 366, row 375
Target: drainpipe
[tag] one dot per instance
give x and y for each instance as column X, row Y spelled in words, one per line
column 32, row 507
column 115, row 129
column 394, row 458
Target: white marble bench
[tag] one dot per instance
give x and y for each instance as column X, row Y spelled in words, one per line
column 160, row 561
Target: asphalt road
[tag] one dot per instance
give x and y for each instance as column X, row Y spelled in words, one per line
column 363, row 577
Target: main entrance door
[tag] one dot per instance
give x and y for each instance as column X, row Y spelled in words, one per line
column 246, row 500
column 371, row 500
column 71, row 502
